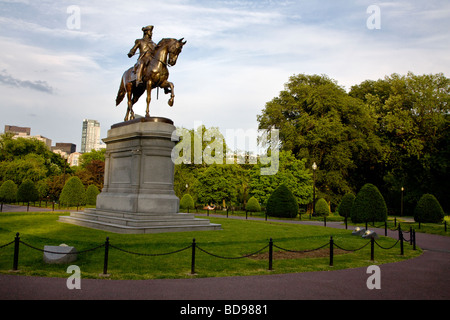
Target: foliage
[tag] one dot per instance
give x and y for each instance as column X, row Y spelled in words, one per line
column 8, row 191
column 320, row 122
column 428, row 209
column 187, row 202
column 253, row 205
column 345, row 207
column 369, row 205
column 282, row 203
column 322, row 208
column 91, row 194
column 73, row 193
column 27, row 191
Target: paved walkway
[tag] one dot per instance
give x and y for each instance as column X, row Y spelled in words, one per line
column 426, row 277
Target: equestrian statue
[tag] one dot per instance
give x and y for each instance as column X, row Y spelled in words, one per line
column 150, row 71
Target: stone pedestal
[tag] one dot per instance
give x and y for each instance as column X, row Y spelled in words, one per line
column 138, row 194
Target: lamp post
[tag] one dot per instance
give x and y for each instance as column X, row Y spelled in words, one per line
column 314, row 167
column 401, row 204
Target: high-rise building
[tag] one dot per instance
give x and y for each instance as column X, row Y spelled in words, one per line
column 90, row 136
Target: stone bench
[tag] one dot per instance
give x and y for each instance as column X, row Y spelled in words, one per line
column 59, row 254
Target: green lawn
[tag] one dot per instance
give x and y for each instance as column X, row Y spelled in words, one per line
column 238, row 238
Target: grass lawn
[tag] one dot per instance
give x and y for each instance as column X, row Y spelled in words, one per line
column 238, row 238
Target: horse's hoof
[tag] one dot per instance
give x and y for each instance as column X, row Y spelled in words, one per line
column 171, row 102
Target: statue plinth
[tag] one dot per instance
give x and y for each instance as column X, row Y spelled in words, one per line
column 138, row 194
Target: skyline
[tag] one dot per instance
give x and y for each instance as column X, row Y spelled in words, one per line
column 62, row 61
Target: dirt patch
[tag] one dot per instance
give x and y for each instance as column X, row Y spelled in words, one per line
column 280, row 255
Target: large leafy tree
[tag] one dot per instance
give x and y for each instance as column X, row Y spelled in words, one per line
column 413, row 121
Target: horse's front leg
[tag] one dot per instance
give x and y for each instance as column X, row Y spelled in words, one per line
column 149, row 98
column 130, row 114
column 172, row 93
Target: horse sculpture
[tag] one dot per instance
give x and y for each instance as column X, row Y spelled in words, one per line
column 155, row 75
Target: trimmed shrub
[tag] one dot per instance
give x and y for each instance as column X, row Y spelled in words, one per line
column 428, row 209
column 369, row 205
column 91, row 195
column 73, row 193
column 282, row 203
column 345, row 207
column 27, row 191
column 253, row 205
column 187, row 202
column 322, row 208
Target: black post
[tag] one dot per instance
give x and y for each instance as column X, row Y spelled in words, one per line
column 410, row 235
column 193, row 257
column 346, row 227
column 414, row 241
column 16, row 252
column 445, row 225
column 400, row 237
column 270, row 253
column 331, row 251
column 266, row 214
column 246, row 214
column 385, row 228
column 324, row 221
column 105, row 262
column 372, row 249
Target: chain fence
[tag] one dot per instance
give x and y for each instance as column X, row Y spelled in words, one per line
column 194, row 247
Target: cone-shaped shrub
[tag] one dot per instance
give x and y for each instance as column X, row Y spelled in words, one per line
column 282, row 203
column 429, row 210
column 187, row 202
column 369, row 205
column 345, row 207
column 322, row 209
column 73, row 193
column 91, row 195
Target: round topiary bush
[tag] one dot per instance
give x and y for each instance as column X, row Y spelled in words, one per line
column 282, row 203
column 369, row 205
column 253, row 205
column 345, row 207
column 322, row 208
column 187, row 202
column 428, row 209
column 8, row 191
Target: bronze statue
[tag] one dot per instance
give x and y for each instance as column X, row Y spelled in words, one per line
column 151, row 70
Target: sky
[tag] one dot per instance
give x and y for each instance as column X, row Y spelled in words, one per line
column 62, row 61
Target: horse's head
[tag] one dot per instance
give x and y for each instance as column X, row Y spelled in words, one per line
column 174, row 48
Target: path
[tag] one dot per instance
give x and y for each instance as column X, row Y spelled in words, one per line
column 426, row 277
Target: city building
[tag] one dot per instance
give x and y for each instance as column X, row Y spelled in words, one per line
column 25, row 132
column 90, row 136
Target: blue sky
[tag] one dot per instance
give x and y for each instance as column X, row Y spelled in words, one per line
column 238, row 56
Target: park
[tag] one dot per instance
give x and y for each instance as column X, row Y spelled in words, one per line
column 345, row 183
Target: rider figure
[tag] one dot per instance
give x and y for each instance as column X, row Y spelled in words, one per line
column 145, row 46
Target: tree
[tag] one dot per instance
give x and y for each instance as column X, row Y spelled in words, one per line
column 322, row 208
column 8, row 192
column 282, row 203
column 428, row 209
column 253, row 205
column 369, row 205
column 291, row 172
column 187, row 202
column 345, row 207
column 73, row 193
column 27, row 192
column 412, row 113
column 91, row 194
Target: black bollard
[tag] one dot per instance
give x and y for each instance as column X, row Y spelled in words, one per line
column 193, row 257
column 331, row 251
column 105, row 262
column 270, row 253
column 16, row 252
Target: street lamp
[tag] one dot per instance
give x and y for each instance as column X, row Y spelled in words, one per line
column 314, row 167
column 401, row 204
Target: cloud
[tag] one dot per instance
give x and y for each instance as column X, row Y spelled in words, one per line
column 38, row 85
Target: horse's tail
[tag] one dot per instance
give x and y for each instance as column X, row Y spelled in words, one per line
column 121, row 93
